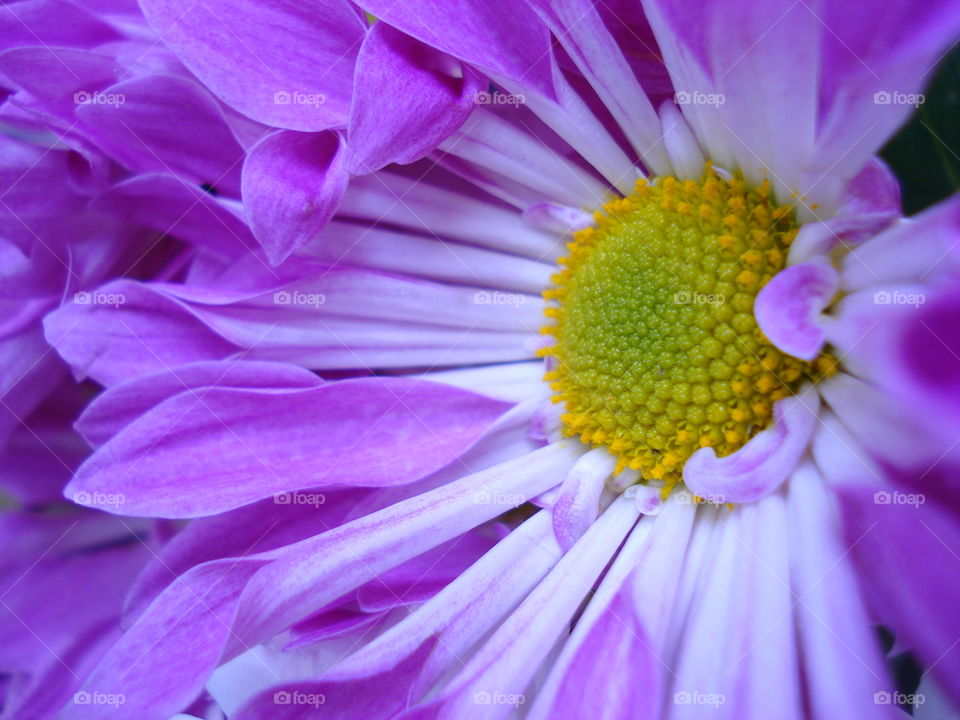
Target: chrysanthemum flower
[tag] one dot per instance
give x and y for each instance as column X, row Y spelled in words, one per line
column 514, row 376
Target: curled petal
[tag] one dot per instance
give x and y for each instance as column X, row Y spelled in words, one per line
column 788, row 306
column 760, row 466
column 407, row 98
column 579, row 501
column 292, row 185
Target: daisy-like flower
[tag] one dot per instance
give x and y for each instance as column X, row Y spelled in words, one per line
column 519, row 373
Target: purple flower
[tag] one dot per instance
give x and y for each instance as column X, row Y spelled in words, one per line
column 501, row 359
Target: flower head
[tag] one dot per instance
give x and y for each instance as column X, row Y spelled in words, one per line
column 513, row 359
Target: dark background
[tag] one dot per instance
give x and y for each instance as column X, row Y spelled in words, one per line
column 925, row 154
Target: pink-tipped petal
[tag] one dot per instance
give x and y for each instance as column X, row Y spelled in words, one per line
column 787, row 308
column 760, row 466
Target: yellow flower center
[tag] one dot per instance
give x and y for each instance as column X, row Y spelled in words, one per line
column 657, row 351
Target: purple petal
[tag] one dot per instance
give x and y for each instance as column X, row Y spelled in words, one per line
column 207, row 450
column 255, row 528
column 623, row 625
column 627, row 22
column 759, row 467
column 58, row 80
column 755, row 112
column 195, row 615
column 51, row 22
column 352, row 554
column 681, row 144
column 419, row 579
column 119, row 406
column 495, row 144
column 292, row 185
column 334, row 319
column 407, row 99
column 873, row 191
column 297, row 75
column 465, row 611
column 329, row 624
column 174, row 207
column 595, row 675
column 580, row 29
column 787, row 308
column 924, row 368
column 500, row 37
column 870, row 204
column 881, row 422
column 378, row 696
column 50, row 637
column 167, row 124
column 504, row 666
column 874, row 56
column 905, row 553
column 40, row 455
column 162, row 662
column 922, row 248
column 175, row 338
column 39, row 205
column 29, row 374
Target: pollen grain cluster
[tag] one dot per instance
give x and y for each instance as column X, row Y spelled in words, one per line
column 657, row 352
